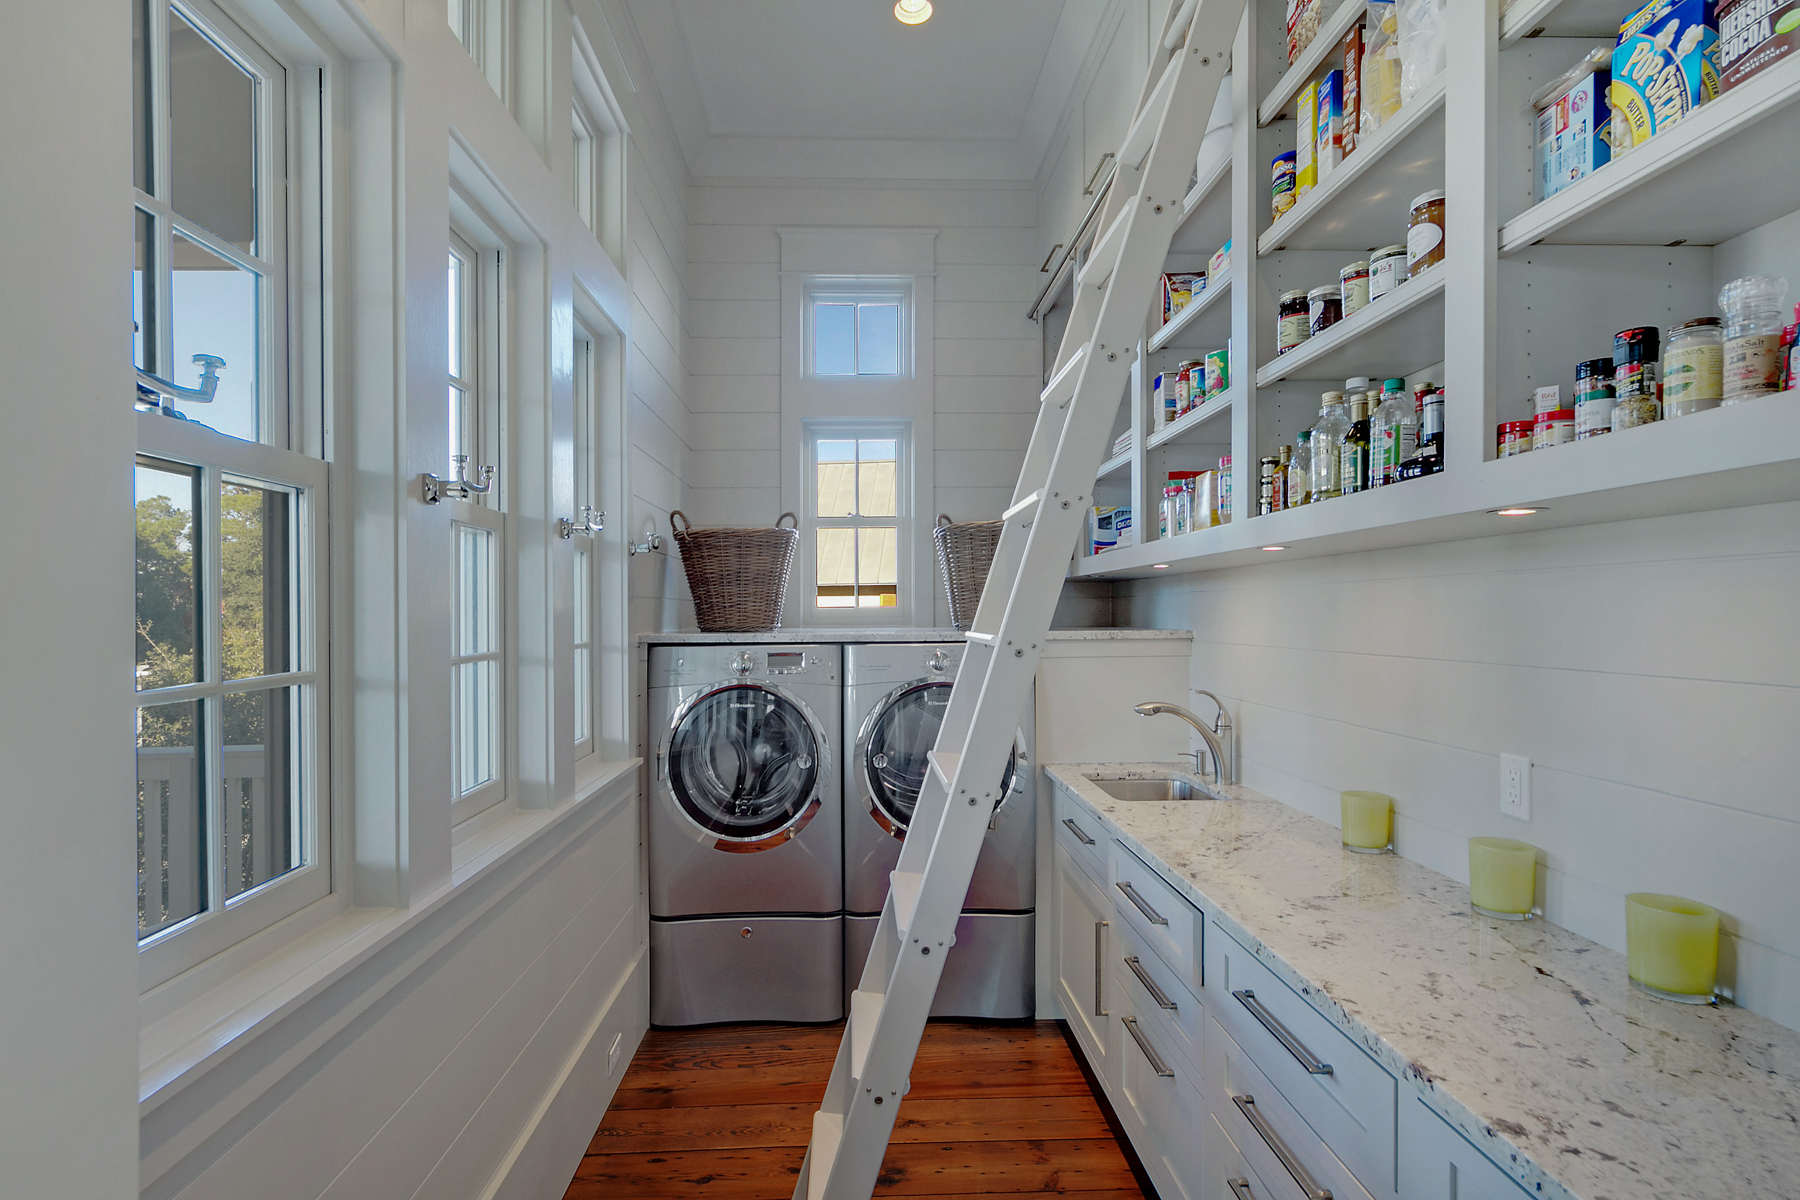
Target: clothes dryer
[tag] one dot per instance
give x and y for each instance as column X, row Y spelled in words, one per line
column 745, row 833
column 895, row 696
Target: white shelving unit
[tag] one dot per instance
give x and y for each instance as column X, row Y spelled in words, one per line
column 1527, row 289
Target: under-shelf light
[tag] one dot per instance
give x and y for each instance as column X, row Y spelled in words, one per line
column 913, row 12
column 1273, row 548
column 1515, row 511
column 1159, row 566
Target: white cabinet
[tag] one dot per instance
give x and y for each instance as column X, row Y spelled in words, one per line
column 1083, row 928
column 1438, row 1163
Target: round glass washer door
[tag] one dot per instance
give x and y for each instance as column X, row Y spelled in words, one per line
column 891, row 751
column 744, row 761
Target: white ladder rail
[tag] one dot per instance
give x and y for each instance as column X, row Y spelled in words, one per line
column 918, row 921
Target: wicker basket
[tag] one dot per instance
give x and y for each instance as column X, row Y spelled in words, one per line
column 965, row 552
column 739, row 577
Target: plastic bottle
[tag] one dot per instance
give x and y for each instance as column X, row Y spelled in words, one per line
column 1753, row 321
column 1393, row 433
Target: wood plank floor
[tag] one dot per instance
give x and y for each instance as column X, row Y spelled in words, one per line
column 724, row 1112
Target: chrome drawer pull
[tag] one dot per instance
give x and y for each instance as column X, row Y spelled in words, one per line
column 1076, row 830
column 1099, row 957
column 1282, row 1034
column 1131, row 894
column 1240, row 1189
column 1156, row 1062
column 1156, row 993
column 1303, row 1177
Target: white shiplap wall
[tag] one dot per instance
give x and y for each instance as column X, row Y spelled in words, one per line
column 986, row 381
column 1648, row 669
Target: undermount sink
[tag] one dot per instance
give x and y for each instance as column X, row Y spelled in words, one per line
column 1166, row 788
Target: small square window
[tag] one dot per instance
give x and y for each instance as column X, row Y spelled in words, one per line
column 853, row 336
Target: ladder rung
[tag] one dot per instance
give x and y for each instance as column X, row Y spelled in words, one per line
column 828, row 1131
column 986, row 639
column 944, row 763
column 865, row 1007
column 1143, row 130
column 1027, row 505
column 905, row 885
column 1062, row 384
column 1105, row 254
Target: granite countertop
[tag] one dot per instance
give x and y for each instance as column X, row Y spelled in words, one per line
column 693, row 637
column 1525, row 1036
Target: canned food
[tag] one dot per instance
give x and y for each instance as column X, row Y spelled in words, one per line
column 1553, row 428
column 1281, row 186
column 1387, row 271
column 1514, row 437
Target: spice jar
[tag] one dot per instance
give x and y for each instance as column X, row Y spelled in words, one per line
column 1553, row 428
column 1752, row 308
column 1324, row 308
column 1514, row 438
column 1425, row 232
column 1265, row 496
column 1593, row 398
column 1387, row 271
column 1693, row 376
column 1295, row 324
column 1353, row 281
column 1636, row 398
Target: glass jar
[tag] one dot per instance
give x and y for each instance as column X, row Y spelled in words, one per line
column 1693, row 373
column 1753, row 316
column 1425, row 232
column 1165, row 523
column 1637, row 400
column 1295, row 324
column 1387, row 271
column 1593, row 398
column 1324, row 308
column 1327, row 445
column 1300, row 470
column 1353, row 282
column 1283, row 467
column 1265, row 496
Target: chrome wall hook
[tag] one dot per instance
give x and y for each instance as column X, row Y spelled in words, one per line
column 652, row 541
column 459, row 488
column 592, row 521
column 155, row 390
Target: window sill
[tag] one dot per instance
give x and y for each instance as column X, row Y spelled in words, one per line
column 242, row 994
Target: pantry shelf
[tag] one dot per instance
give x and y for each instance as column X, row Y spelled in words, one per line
column 1205, row 214
column 1718, row 173
column 1117, row 462
column 1275, row 104
column 1184, row 429
column 1400, row 332
column 1727, row 458
column 1357, row 206
column 1204, row 324
column 1562, row 18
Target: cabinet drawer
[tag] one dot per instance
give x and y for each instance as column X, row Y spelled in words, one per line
column 1229, row 1175
column 1081, row 832
column 1157, row 1096
column 1158, row 994
column 1086, row 932
column 1160, row 915
column 1438, row 1163
column 1283, row 1150
column 1344, row 1095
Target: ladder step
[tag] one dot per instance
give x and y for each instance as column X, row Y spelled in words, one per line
column 1027, row 506
column 865, row 1007
column 1062, row 384
column 1143, row 130
column 1105, row 254
column 986, row 639
column 828, row 1131
column 905, row 885
column 944, row 763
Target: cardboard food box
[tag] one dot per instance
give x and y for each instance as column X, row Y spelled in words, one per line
column 1754, row 35
column 1306, row 132
column 1573, row 134
column 1328, row 141
column 1111, row 527
column 1664, row 66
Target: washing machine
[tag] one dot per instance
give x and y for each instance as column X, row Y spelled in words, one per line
column 895, row 696
column 745, row 833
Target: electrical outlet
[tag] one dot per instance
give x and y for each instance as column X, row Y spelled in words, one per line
column 612, row 1055
column 1515, row 786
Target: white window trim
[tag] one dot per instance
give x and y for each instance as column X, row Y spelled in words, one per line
column 484, row 27
column 596, row 108
column 858, row 291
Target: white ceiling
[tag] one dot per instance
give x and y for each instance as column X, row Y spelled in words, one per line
column 840, row 88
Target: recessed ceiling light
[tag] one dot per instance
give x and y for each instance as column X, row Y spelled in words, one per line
column 913, row 12
column 1519, row 511
column 1159, row 566
column 1274, row 547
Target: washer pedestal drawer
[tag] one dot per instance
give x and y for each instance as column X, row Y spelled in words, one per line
column 753, row 968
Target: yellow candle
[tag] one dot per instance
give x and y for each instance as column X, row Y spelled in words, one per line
column 1502, row 877
column 1368, row 821
column 1672, row 946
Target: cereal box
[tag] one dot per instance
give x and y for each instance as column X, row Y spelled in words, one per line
column 1664, row 66
column 1573, row 135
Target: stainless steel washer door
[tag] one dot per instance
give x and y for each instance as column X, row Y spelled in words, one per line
column 891, row 749
column 744, row 762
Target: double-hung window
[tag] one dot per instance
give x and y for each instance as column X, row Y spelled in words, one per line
column 584, row 664
column 857, row 507
column 478, row 658
column 229, row 499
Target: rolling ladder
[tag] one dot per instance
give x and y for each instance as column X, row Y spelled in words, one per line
column 1114, row 287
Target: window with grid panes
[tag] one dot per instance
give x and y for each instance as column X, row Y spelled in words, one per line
column 854, row 334
column 229, row 497
column 584, row 664
column 856, row 516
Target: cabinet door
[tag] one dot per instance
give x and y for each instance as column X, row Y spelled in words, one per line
column 1084, row 938
column 1438, row 1163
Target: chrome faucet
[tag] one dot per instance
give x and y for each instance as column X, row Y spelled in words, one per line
column 1224, row 768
